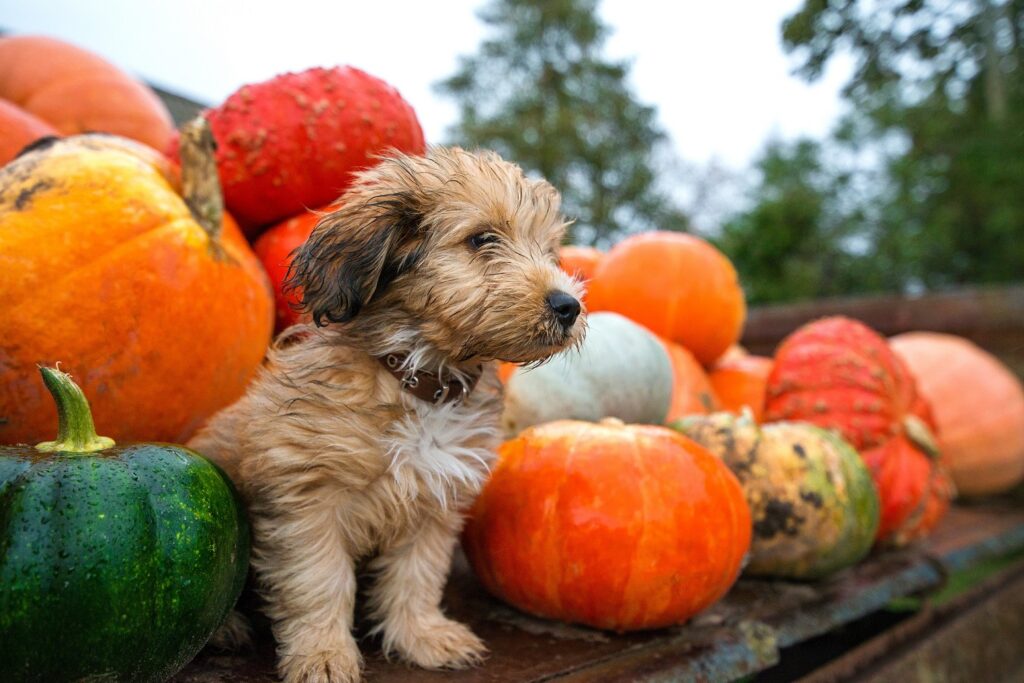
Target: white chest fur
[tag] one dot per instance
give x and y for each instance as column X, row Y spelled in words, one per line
column 444, row 452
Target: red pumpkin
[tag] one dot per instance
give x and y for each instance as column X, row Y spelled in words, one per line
column 676, row 285
column 274, row 249
column 979, row 407
column 692, row 393
column 294, row 141
column 18, row 129
column 840, row 374
column 615, row 526
column 740, row 382
column 77, row 91
column 913, row 489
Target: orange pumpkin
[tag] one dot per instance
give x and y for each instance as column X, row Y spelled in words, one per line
column 77, row 91
column 978, row 405
column 692, row 393
column 678, row 286
column 740, row 382
column 615, row 526
column 160, row 311
column 18, row 129
column 580, row 262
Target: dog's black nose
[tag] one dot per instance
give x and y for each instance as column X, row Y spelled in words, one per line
column 565, row 306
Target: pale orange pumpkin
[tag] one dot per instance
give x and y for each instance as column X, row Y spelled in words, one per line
column 740, row 381
column 692, row 392
column 676, row 285
column 978, row 405
column 77, row 91
column 18, row 129
column 615, row 526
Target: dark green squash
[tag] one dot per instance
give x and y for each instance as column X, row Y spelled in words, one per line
column 117, row 563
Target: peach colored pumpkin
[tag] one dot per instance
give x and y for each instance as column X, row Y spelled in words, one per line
column 978, row 405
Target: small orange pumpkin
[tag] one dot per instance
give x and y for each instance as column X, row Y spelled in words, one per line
column 978, row 405
column 692, row 393
column 580, row 262
column 615, row 526
column 740, row 382
column 77, row 91
column 139, row 286
column 678, row 286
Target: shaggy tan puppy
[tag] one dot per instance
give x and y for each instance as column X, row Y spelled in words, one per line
column 368, row 435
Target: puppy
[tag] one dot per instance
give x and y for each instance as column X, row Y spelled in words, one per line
column 368, row 434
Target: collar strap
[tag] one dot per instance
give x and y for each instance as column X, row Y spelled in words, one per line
column 428, row 386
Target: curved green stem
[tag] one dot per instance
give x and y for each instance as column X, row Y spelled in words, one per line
column 75, row 430
column 922, row 437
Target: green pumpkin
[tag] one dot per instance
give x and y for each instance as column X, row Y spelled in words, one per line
column 117, row 563
column 621, row 370
column 814, row 505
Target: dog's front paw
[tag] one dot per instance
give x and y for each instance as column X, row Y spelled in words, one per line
column 327, row 666
column 441, row 644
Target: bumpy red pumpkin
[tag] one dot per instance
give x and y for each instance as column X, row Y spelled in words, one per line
column 291, row 143
column 840, row 374
column 274, row 249
column 615, row 526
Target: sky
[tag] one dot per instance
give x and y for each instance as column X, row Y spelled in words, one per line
column 716, row 71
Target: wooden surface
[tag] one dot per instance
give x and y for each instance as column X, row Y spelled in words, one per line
column 992, row 318
column 741, row 635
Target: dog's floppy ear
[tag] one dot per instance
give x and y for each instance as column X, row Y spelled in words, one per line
column 354, row 252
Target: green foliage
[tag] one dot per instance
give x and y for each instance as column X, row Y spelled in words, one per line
column 540, row 93
column 938, row 94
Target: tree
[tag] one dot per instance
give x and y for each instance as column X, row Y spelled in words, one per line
column 540, row 93
column 798, row 240
column 938, row 90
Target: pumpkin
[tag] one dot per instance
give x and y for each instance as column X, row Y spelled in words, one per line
column 77, row 91
column 274, row 249
column 813, row 503
column 294, row 141
column 615, row 526
column 116, row 562
column 740, row 382
column 839, row 374
column 978, row 405
column 914, row 490
column 152, row 297
column 580, row 262
column 676, row 285
column 18, row 129
column 620, row 370
column 691, row 389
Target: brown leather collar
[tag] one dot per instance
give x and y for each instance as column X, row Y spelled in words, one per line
column 429, row 386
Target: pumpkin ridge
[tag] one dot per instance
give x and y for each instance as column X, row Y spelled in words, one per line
column 639, row 536
column 552, row 511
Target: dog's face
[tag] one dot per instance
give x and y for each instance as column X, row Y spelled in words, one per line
column 455, row 249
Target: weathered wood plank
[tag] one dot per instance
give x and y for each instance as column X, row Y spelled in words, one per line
column 740, row 635
column 992, row 318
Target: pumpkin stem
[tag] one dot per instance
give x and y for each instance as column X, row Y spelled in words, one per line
column 75, row 430
column 200, row 184
column 922, row 437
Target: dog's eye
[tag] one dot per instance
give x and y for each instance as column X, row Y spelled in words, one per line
column 482, row 239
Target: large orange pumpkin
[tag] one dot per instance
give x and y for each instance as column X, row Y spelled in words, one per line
column 978, row 405
column 678, row 286
column 740, row 382
column 155, row 305
column 692, row 393
column 77, row 91
column 615, row 526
